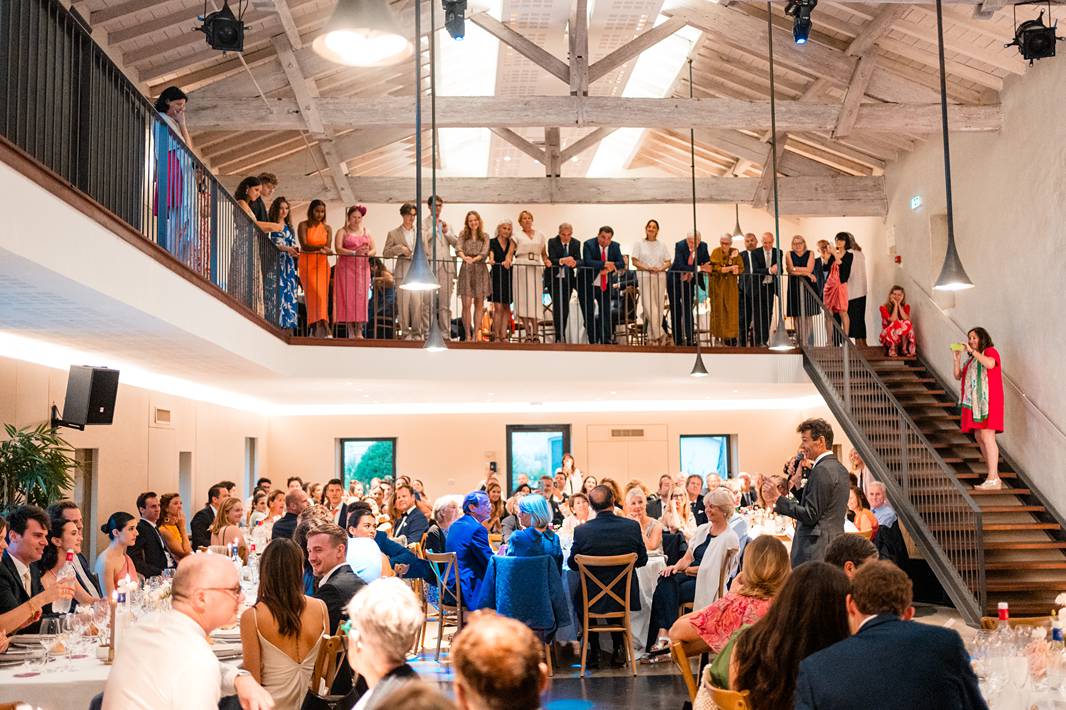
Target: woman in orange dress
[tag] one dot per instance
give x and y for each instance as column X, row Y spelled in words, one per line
column 315, row 235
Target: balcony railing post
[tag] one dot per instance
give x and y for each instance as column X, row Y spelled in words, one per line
column 213, row 236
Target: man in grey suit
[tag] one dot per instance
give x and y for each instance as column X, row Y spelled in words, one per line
column 822, row 503
column 400, row 245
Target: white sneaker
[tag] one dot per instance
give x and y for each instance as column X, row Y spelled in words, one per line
column 992, row 484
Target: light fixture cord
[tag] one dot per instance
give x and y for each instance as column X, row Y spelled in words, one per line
column 418, row 120
column 695, row 240
column 944, row 119
column 773, row 160
column 435, row 300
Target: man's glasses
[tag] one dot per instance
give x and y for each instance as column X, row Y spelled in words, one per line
column 235, row 590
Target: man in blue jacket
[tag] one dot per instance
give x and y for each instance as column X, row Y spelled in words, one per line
column 469, row 540
column 897, row 663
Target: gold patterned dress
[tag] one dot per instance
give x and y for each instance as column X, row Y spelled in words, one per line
column 725, row 294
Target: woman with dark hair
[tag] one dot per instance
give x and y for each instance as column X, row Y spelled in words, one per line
column 835, row 294
column 289, row 250
column 651, row 259
column 172, row 526
column 856, row 293
column 171, row 107
column 351, row 277
column 859, row 512
column 281, row 632
column 808, row 615
column 65, row 535
column 981, row 398
column 897, row 331
column 315, row 235
column 382, row 304
column 113, row 565
column 247, row 193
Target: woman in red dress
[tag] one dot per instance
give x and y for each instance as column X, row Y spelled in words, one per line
column 982, row 398
column 897, row 331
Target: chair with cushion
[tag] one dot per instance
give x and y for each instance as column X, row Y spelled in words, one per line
column 449, row 608
column 594, row 590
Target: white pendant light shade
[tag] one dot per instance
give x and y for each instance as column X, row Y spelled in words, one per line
column 435, row 342
column 419, row 277
column 738, row 233
column 363, row 33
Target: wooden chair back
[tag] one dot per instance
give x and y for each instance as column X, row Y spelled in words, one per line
column 327, row 663
column 445, row 567
column 730, row 699
column 495, row 540
column 723, row 575
column 867, row 534
column 677, row 651
column 991, row 623
column 609, row 591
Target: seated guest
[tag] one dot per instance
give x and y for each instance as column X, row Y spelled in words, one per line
column 901, row 663
column 333, row 499
column 547, row 491
column 226, row 528
column 849, row 552
column 736, row 521
column 806, row 616
column 294, row 482
column 678, row 515
column 650, row 528
column 694, row 489
column 166, row 663
column 404, row 563
column 446, row 510
column 889, row 538
column 364, row 556
column 201, row 522
column 172, row 526
column 149, row 552
column 327, row 546
column 660, row 500
column 748, row 496
column 616, row 493
column 311, row 517
column 499, row 508
column 64, row 535
column 536, row 536
column 580, row 512
column 275, row 511
column 23, row 537
column 410, row 521
column 769, row 488
column 697, row 576
column 409, row 695
column 68, row 511
column 498, row 665
column 897, row 330
column 607, row 535
column 257, row 510
column 469, row 540
column 859, row 512
column 385, row 620
column 766, row 567
column 114, row 564
column 296, row 502
column 281, row 632
column 510, row 522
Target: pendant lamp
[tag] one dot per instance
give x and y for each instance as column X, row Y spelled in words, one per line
column 363, row 33
column 419, row 277
column 738, row 233
column 698, row 368
column 435, row 342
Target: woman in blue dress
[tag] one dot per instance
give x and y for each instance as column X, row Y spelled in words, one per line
column 289, row 249
column 536, row 537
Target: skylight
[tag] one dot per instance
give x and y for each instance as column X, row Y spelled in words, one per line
column 652, row 77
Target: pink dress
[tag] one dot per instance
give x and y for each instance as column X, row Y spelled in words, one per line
column 351, row 282
column 717, row 622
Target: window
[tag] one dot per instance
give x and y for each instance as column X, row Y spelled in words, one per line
column 363, row 459
column 705, row 453
column 535, row 451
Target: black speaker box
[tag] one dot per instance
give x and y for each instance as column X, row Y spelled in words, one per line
column 91, row 395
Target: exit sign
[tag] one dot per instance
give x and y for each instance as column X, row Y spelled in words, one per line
column 916, row 202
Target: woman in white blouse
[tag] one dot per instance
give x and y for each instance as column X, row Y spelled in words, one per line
column 652, row 258
column 528, row 283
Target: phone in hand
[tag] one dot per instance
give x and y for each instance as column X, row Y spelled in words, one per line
column 958, row 347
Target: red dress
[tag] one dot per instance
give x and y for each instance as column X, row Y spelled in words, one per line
column 716, row 623
column 995, row 396
column 898, row 335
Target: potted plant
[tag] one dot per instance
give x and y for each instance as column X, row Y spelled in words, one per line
column 36, row 466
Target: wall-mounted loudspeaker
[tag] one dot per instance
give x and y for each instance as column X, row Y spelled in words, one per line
column 91, row 393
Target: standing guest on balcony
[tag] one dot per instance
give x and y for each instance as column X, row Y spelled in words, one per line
column 856, row 293
column 601, row 261
column 564, row 255
column 748, row 292
column 382, row 306
column 176, row 234
column 836, row 283
column 171, row 106
column 726, row 266
column 289, row 251
column 982, row 397
column 821, row 267
column 768, row 266
column 444, row 268
column 897, row 330
column 473, row 286
column 651, row 259
column 114, row 564
column 691, row 259
column 315, row 235
column 501, row 251
column 530, row 253
column 800, row 265
column 400, row 245
column 351, row 278
column 248, row 193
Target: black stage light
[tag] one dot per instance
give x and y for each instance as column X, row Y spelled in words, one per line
column 800, row 11
column 1034, row 39
column 223, row 29
column 455, row 18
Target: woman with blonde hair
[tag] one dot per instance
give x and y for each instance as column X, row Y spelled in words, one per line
column 530, row 255
column 501, row 251
column 677, row 514
column 473, row 285
column 226, row 531
column 636, row 509
column 499, row 508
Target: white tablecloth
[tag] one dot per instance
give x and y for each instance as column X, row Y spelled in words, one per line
column 56, row 690
column 647, row 578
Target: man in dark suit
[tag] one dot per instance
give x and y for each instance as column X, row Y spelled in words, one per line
column 148, row 552
column 899, row 664
column 20, row 580
column 749, row 285
column 605, row 535
column 821, row 512
column 469, row 540
column 295, row 503
column 767, row 269
column 692, row 262
column 200, row 527
column 659, row 502
column 332, row 498
column 601, row 262
column 564, row 253
column 335, row 583
column 412, row 523
column 694, row 491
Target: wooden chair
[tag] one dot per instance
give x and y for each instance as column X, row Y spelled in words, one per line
column 991, row 623
column 327, row 663
column 727, row 564
column 605, row 592
column 730, row 699
column 418, row 586
column 449, row 571
column 495, row 540
column 867, row 534
column 677, row 651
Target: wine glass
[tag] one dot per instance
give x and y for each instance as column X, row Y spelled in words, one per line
column 49, row 631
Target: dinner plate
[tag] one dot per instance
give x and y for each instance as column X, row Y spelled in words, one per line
column 29, row 639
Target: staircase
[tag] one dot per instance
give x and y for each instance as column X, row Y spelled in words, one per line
column 985, row 547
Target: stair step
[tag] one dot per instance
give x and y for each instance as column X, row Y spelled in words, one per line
column 1025, row 545
column 1010, row 565
column 1026, row 586
column 998, row 527
column 914, row 392
column 1002, row 492
column 908, row 379
column 1009, row 508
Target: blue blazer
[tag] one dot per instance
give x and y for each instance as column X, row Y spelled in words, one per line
column 532, row 543
column 469, row 540
column 593, row 263
column 682, row 253
column 891, row 665
column 400, row 555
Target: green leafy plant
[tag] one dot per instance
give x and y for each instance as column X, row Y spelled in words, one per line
column 36, row 466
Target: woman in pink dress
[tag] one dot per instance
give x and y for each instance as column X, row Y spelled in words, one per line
column 835, row 293
column 351, row 278
column 982, row 398
column 897, row 331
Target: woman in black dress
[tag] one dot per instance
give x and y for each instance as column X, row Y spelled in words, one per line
column 501, row 252
column 800, row 266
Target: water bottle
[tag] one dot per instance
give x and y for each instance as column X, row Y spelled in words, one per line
column 65, row 573
column 253, row 563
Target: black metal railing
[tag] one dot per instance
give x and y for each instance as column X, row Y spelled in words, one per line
column 938, row 510
column 66, row 104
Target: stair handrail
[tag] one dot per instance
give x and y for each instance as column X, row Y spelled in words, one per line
column 968, row 588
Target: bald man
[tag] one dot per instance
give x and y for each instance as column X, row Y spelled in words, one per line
column 165, row 661
column 497, row 663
